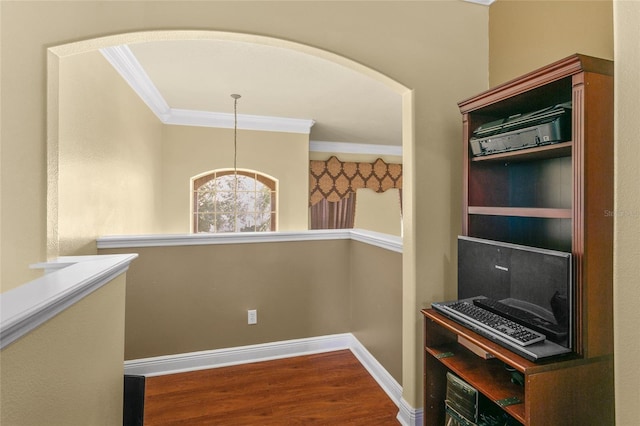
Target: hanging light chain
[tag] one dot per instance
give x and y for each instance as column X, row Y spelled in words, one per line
column 235, row 158
column 235, row 132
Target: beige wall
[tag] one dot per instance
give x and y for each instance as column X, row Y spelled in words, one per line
column 378, row 212
column 627, row 208
column 525, row 34
column 376, row 304
column 108, row 160
column 429, row 53
column 191, row 151
column 69, row 370
column 192, row 298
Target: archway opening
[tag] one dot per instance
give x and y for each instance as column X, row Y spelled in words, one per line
column 65, row 235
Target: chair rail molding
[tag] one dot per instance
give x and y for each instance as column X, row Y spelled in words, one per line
column 385, row 241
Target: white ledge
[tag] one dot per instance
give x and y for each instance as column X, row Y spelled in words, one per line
column 24, row 308
column 389, row 242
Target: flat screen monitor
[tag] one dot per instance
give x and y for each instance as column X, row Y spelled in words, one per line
column 533, row 284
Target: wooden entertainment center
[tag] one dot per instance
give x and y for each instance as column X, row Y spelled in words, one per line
column 557, row 196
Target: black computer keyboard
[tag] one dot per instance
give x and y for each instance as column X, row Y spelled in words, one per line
column 552, row 331
column 496, row 324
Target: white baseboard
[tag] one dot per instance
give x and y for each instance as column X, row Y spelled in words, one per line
column 386, row 381
column 192, row 361
column 409, row 416
column 180, row 363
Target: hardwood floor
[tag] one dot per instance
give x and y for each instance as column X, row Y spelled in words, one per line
column 324, row 389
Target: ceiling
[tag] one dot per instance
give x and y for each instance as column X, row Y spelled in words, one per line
column 191, row 82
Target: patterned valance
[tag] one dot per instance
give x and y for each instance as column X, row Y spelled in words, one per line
column 335, row 180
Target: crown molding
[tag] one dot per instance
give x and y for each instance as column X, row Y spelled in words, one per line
column 186, row 117
column 127, row 65
column 354, row 148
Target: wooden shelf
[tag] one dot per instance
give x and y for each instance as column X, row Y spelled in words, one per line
column 550, row 387
column 489, row 376
column 562, row 149
column 546, row 213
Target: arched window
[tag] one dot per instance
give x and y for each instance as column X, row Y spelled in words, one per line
column 222, row 203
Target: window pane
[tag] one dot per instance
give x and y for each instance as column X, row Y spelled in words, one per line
column 225, row 202
column 263, row 200
column 206, row 201
column 264, row 222
column 206, row 222
column 209, row 186
column 246, row 201
column 246, row 183
column 234, row 203
column 225, row 223
column 224, row 183
column 246, row 223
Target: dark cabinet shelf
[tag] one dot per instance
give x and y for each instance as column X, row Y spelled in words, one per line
column 562, row 149
column 472, row 369
column 522, row 212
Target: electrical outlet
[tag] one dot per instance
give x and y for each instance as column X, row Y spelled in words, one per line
column 252, row 316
